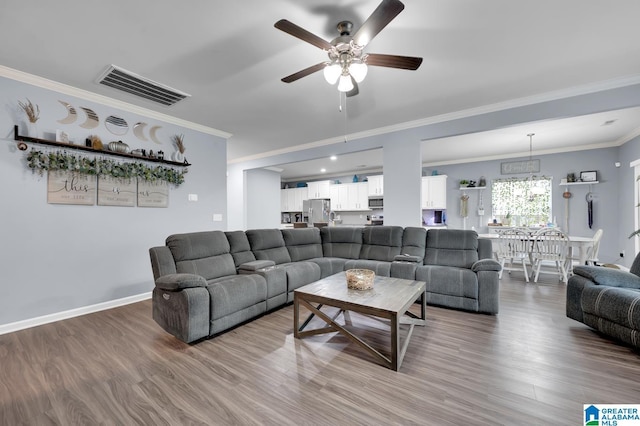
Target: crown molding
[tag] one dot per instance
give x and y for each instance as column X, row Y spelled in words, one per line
column 523, row 154
column 486, row 109
column 44, row 83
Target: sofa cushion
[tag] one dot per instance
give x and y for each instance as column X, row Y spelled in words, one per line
column 202, row 253
column 380, row 267
column 239, row 247
column 174, row 282
column 615, row 304
column 299, row 274
column 329, row 265
column 232, row 294
column 414, row 242
column 381, row 242
column 460, row 282
column 268, row 244
column 486, row 265
column 635, row 266
column 608, row 276
column 341, row 241
column 451, row 247
column 303, row 243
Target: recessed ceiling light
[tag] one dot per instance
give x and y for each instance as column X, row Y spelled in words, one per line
column 323, row 170
column 333, row 158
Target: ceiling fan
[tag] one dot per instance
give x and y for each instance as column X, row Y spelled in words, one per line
column 347, row 63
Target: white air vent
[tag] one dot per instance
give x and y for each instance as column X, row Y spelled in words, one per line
column 129, row 82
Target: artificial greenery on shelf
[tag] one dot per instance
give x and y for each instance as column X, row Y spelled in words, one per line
column 61, row 160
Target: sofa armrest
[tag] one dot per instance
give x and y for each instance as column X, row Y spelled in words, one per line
column 255, row 265
column 175, row 282
column 608, row 276
column 406, row 258
column 486, row 265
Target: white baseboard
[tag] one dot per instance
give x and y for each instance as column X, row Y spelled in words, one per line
column 59, row 316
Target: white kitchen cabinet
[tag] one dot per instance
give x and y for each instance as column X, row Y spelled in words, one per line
column 434, row 192
column 339, row 196
column 318, row 190
column 350, row 197
column 376, row 186
column 291, row 199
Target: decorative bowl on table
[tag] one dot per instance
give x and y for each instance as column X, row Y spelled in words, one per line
column 360, row 279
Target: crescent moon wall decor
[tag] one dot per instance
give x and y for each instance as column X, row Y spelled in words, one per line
column 138, row 130
column 92, row 119
column 116, row 125
column 152, row 134
column 72, row 115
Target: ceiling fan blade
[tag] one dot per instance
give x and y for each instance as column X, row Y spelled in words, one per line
column 393, row 61
column 302, row 34
column 384, row 13
column 303, row 73
column 355, row 89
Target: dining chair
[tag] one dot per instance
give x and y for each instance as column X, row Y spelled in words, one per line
column 513, row 249
column 592, row 255
column 550, row 246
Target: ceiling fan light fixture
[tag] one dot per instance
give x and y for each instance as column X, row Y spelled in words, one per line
column 358, row 71
column 345, row 84
column 332, row 72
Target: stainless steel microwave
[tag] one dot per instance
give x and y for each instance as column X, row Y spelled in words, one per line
column 376, row 203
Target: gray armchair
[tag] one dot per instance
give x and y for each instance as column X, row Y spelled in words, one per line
column 607, row 300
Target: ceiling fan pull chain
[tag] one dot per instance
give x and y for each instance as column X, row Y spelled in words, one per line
column 345, row 113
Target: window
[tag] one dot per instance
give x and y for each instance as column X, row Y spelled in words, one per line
column 522, row 201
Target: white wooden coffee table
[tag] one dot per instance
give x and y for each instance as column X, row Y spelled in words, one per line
column 390, row 299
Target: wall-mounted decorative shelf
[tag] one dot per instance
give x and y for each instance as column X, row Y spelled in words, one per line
column 465, row 188
column 563, row 182
column 64, row 145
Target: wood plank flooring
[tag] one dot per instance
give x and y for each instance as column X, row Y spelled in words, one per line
column 527, row 365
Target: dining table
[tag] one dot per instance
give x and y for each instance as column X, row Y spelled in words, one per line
column 577, row 244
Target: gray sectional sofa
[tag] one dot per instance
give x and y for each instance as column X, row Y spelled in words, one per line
column 607, row 300
column 208, row 282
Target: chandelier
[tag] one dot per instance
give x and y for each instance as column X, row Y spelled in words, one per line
column 346, row 61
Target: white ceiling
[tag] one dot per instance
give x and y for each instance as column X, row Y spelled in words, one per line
column 230, row 58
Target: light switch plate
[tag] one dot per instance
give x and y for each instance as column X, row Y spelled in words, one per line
column 193, row 197
column 217, row 217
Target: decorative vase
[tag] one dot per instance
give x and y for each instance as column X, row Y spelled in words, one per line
column 178, row 157
column 32, row 130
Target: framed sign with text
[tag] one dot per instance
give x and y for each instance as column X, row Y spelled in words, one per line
column 64, row 187
column 153, row 194
column 515, row 167
column 116, row 191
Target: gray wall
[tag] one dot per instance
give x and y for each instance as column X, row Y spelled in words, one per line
column 556, row 166
column 623, row 210
column 57, row 257
column 402, row 172
column 263, row 199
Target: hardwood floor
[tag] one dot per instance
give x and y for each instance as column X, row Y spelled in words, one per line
column 527, row 365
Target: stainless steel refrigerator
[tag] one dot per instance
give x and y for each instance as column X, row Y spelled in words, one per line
column 316, row 211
